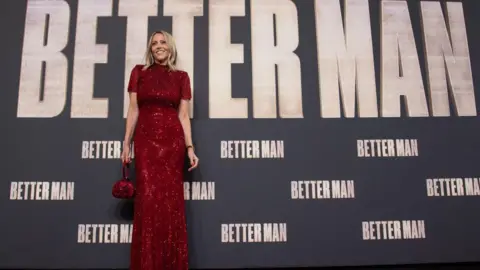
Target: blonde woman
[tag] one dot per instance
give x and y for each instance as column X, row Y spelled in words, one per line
column 158, row 113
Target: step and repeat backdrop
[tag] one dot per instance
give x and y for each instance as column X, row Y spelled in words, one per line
column 330, row 132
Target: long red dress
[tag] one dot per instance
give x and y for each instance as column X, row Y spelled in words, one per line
column 159, row 238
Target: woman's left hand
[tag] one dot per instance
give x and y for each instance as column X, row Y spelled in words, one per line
column 193, row 159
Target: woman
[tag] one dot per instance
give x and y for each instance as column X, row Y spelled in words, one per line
column 159, row 100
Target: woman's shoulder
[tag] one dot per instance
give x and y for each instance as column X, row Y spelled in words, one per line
column 138, row 67
column 181, row 72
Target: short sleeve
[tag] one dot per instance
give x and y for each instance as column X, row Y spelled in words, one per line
column 186, row 90
column 133, row 82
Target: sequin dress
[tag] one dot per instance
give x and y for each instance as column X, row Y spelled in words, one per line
column 159, row 238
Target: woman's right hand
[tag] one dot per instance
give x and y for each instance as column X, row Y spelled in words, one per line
column 126, row 154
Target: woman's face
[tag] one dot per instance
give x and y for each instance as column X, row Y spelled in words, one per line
column 159, row 47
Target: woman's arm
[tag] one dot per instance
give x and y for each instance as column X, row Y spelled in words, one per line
column 132, row 116
column 184, row 108
column 185, row 121
column 132, row 113
column 183, row 115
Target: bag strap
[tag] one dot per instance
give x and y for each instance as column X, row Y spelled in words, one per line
column 125, row 171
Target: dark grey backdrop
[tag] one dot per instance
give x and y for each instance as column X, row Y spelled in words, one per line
column 43, row 234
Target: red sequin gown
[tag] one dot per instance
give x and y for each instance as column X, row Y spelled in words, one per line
column 159, row 238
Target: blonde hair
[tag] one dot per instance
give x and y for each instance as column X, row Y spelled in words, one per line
column 172, row 58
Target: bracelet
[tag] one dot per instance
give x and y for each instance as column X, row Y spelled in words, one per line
column 190, row 146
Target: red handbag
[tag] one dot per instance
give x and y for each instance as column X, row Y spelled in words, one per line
column 123, row 188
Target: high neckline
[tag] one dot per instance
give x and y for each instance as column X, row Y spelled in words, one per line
column 158, row 65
